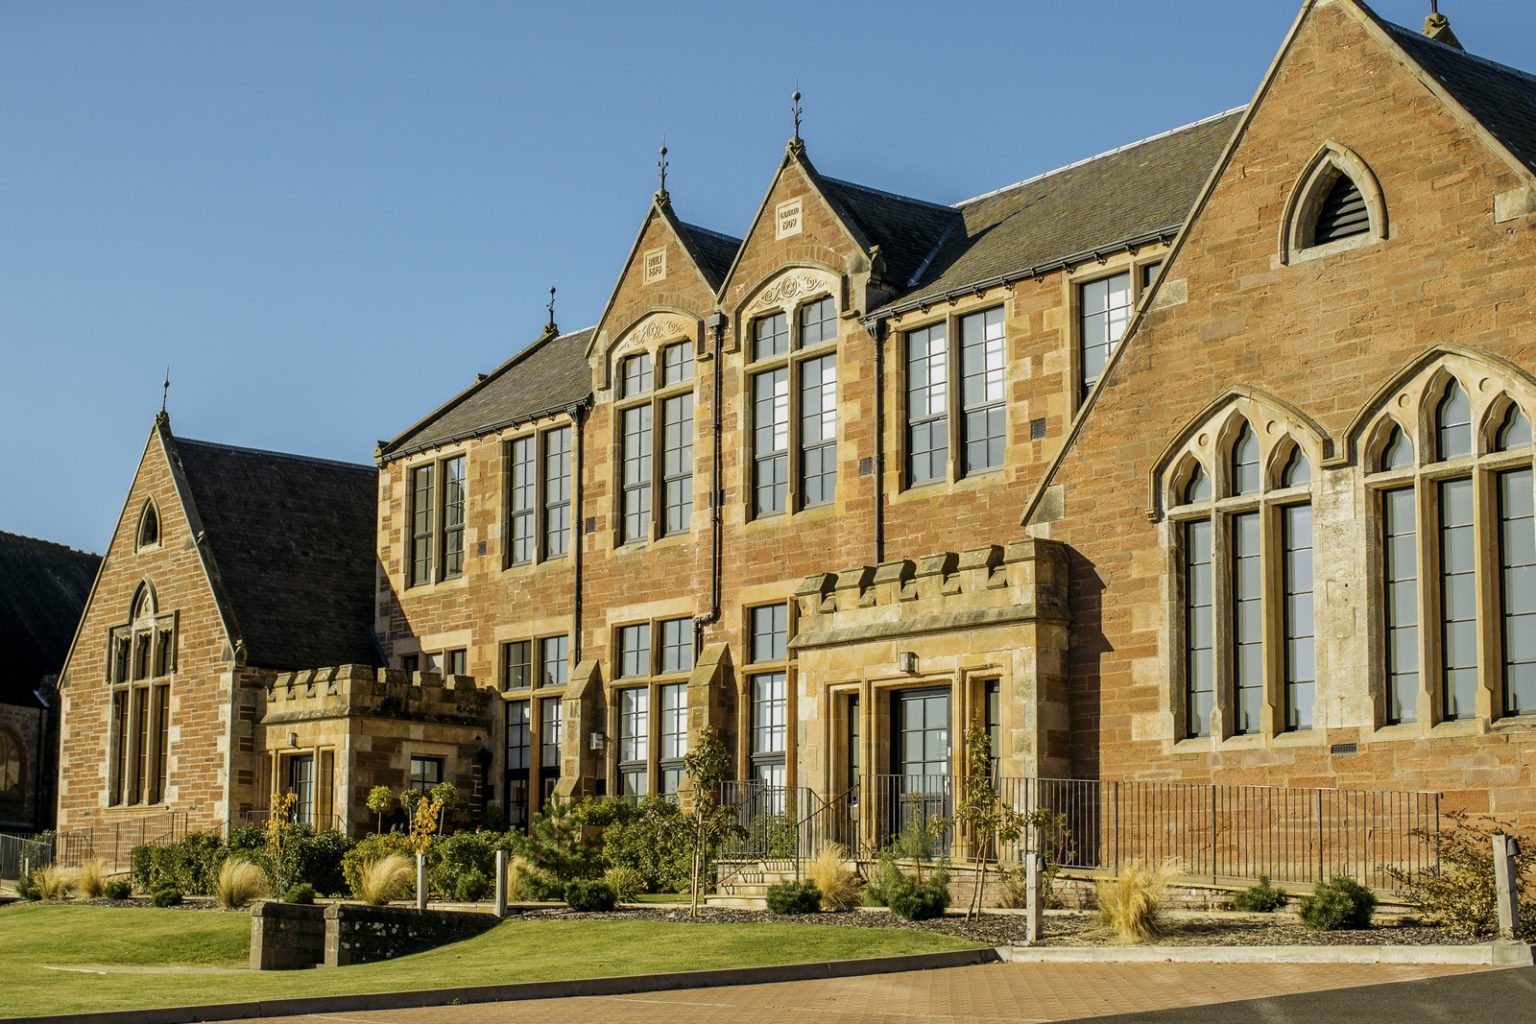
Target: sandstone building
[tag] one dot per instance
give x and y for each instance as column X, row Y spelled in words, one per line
column 1205, row 459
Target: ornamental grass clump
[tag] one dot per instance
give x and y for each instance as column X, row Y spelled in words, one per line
column 828, row 871
column 91, row 879
column 240, row 882
column 626, row 883
column 1340, row 904
column 1131, row 904
column 386, row 878
column 53, row 883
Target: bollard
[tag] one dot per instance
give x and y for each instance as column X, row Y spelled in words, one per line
column 421, row 881
column 501, row 883
column 1505, row 850
column 1034, row 877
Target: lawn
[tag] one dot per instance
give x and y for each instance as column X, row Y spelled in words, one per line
column 154, row 943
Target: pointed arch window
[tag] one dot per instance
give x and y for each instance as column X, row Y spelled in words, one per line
column 140, row 665
column 1337, row 205
column 1238, row 553
column 1456, row 575
column 149, row 527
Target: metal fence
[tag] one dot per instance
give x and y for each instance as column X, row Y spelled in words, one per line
column 1215, row 831
column 112, row 844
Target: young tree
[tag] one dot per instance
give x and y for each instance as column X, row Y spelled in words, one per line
column 989, row 819
column 708, row 820
column 381, row 800
column 446, row 795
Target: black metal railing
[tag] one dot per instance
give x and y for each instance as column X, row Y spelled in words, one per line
column 911, row 815
column 110, row 843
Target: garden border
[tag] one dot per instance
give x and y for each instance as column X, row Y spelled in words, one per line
column 615, row 986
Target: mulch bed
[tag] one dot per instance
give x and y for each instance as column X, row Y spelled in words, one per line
column 1061, row 928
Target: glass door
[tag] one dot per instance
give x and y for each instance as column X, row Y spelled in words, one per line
column 919, row 788
column 301, row 783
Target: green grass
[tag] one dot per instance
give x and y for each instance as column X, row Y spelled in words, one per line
column 32, row 935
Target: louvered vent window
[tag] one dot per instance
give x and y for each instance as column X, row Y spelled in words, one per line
column 1343, row 214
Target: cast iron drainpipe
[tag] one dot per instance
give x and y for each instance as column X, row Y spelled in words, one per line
column 715, row 324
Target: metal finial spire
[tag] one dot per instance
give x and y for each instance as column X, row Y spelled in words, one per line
column 165, row 389
column 551, row 308
column 796, row 109
column 661, row 165
column 1434, row 6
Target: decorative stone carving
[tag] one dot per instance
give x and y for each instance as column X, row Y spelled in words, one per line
column 655, row 329
column 786, row 289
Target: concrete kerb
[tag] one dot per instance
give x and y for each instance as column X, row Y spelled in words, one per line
column 1488, row 954
column 623, row 985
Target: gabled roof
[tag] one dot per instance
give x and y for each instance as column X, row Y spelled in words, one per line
column 905, row 229
column 713, row 251
column 43, row 591
column 1501, row 98
column 288, row 544
column 548, row 376
column 1134, row 194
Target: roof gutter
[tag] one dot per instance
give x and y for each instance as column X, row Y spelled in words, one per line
column 489, row 428
column 1163, row 235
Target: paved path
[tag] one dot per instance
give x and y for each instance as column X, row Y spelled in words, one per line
column 1027, row 993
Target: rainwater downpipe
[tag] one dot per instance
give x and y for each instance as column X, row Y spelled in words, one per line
column 715, row 324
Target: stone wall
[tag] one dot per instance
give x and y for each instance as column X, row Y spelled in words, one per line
column 359, row 935
column 287, row 935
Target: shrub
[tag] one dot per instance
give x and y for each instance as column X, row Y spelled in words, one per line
column 558, row 850
column 653, row 841
column 25, row 889
column 913, row 900
column 387, row 878
column 882, row 877
column 590, row 895
column 368, row 850
column 117, row 889
column 167, row 896
column 471, row 886
column 794, row 898
column 1131, row 904
column 520, row 886
column 1259, row 899
column 240, row 881
column 626, row 883
column 303, row 893
column 313, row 857
column 90, row 879
column 53, row 883
column 462, row 863
column 1338, row 904
column 839, row 887
column 1461, row 896
column 190, row 864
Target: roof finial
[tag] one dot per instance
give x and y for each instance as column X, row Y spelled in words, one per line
column 551, row 325
column 661, row 168
column 165, row 390
column 1438, row 27
column 796, row 109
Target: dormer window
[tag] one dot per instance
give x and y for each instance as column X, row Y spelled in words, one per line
column 149, row 527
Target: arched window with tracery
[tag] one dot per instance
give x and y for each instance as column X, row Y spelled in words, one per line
column 149, row 527
column 140, row 666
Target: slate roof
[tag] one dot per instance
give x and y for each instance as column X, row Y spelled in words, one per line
column 549, row 375
column 1501, row 97
column 905, row 229
column 1138, row 191
column 713, row 250
column 292, row 551
column 43, row 590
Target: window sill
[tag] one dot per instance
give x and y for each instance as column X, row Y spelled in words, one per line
column 1460, row 727
column 1515, row 724
column 1400, row 731
column 1244, row 742
column 1313, row 737
column 451, row 583
column 780, row 520
column 530, row 568
column 979, row 480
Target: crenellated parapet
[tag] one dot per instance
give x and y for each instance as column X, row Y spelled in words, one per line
column 993, row 585
column 344, row 691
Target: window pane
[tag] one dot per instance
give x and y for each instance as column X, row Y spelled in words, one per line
column 770, row 441
column 674, row 721
column 1105, row 309
column 1300, row 639
column 636, row 376
column 637, row 474
column 818, row 322
column 516, row 665
column 1458, row 599
column 1453, row 423
column 634, row 651
column 770, row 336
column 677, row 462
column 553, row 660
column 453, row 517
column 1247, row 623
column 1517, row 558
column 551, row 719
column 676, row 364
column 634, row 740
column 520, row 500
column 1245, row 462
column 557, row 491
column 1198, row 627
column 927, row 404
column 422, row 493
column 982, row 367
column 818, row 430
column 519, row 738
column 1398, row 453
column 1400, row 572
column 1514, row 432
column 769, row 633
column 676, row 646
column 1199, row 487
column 769, row 715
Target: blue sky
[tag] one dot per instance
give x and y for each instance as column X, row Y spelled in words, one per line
column 326, row 217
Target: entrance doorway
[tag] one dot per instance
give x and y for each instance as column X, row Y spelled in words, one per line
column 918, row 788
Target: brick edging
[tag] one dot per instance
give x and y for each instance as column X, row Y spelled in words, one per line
column 1494, row 953
column 621, row 985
